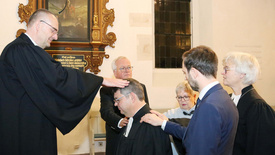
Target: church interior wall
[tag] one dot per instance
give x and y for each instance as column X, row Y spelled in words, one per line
column 223, row 25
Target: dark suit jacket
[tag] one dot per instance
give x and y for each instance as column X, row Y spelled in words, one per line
column 143, row 138
column 212, row 129
column 256, row 127
column 111, row 115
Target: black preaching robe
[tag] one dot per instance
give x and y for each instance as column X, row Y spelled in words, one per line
column 143, row 138
column 256, row 128
column 38, row 95
column 111, row 115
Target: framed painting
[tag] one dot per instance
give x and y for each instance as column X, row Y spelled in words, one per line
column 82, row 27
column 73, row 17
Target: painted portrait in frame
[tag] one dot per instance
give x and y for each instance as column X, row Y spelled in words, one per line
column 73, row 17
column 82, row 28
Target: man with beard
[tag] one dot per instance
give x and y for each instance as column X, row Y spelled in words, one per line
column 212, row 129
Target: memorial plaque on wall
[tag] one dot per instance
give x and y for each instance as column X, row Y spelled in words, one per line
column 81, row 60
column 71, row 60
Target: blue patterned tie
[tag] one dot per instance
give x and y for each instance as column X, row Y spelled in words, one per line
column 198, row 102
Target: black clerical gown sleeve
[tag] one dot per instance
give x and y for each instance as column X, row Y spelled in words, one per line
column 260, row 129
column 256, row 128
column 38, row 95
column 109, row 113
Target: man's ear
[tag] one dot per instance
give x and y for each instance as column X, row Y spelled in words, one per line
column 132, row 96
column 194, row 73
column 37, row 25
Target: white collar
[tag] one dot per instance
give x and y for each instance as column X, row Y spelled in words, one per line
column 188, row 111
column 235, row 98
column 31, row 39
column 205, row 89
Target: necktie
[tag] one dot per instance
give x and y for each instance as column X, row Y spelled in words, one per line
column 198, row 102
column 186, row 113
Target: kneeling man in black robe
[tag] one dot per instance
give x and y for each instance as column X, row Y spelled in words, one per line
column 138, row 138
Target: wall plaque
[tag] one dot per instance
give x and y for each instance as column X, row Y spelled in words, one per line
column 81, row 60
column 83, row 29
column 71, row 60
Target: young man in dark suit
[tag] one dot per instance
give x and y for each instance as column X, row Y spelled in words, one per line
column 212, row 129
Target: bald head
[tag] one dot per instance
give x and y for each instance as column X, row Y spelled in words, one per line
column 43, row 27
column 38, row 15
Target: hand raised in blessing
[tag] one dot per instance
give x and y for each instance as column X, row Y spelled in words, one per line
column 108, row 82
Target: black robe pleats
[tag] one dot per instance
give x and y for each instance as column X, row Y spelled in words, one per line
column 38, row 95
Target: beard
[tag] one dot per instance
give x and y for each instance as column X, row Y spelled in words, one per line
column 193, row 84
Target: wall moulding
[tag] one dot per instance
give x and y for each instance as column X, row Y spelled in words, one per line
column 82, row 27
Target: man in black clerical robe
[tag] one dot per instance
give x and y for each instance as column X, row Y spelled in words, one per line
column 114, row 120
column 37, row 94
column 138, row 138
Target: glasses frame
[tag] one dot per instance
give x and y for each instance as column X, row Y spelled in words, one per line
column 118, row 99
column 185, row 98
column 123, row 69
column 226, row 69
column 55, row 31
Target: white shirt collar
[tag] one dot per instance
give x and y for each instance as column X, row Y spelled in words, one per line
column 128, row 127
column 205, row 89
column 31, row 39
column 235, row 98
column 188, row 111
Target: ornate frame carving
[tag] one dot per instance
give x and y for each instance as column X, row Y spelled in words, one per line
column 100, row 19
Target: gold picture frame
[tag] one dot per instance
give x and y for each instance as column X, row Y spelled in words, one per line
column 98, row 19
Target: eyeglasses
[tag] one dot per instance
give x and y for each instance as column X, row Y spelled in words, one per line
column 118, row 99
column 185, row 98
column 226, row 69
column 123, row 69
column 54, row 30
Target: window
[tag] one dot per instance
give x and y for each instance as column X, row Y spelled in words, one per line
column 172, row 32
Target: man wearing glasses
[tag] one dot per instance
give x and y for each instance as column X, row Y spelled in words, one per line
column 138, row 138
column 37, row 94
column 122, row 69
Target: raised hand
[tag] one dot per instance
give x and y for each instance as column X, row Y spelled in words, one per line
column 109, row 82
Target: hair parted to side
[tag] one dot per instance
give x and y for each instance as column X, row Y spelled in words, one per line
column 37, row 15
column 114, row 67
column 184, row 86
column 202, row 58
column 134, row 86
column 244, row 63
